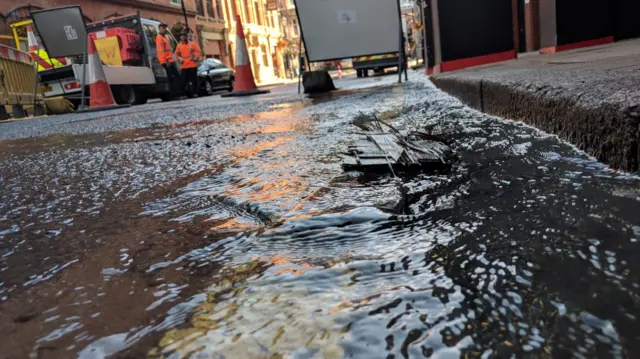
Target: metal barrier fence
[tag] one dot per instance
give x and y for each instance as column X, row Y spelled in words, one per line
column 10, row 41
column 17, row 81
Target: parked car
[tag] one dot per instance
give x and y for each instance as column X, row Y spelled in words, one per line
column 215, row 76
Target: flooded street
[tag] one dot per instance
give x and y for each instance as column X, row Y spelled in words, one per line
column 220, row 228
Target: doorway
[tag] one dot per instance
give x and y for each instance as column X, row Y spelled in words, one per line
column 521, row 27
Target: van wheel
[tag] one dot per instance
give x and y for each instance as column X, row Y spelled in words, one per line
column 166, row 97
column 359, row 73
column 129, row 95
column 141, row 97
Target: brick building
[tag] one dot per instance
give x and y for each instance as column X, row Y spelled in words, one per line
column 290, row 29
column 464, row 33
column 168, row 11
column 212, row 30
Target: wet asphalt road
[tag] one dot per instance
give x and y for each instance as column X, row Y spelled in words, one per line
column 227, row 228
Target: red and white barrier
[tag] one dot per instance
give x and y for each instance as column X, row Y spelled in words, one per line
column 15, row 55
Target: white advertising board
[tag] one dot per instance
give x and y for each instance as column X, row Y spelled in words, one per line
column 339, row 29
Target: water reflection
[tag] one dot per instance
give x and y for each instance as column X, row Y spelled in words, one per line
column 502, row 256
column 266, row 248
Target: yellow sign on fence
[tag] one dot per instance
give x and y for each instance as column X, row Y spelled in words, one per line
column 109, row 51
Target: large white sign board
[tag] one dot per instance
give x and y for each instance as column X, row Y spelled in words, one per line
column 62, row 30
column 339, row 29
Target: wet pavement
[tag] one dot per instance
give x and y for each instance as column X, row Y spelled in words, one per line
column 227, row 229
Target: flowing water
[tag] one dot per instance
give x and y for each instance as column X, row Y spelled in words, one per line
column 244, row 238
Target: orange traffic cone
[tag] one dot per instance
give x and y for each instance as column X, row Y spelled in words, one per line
column 245, row 85
column 32, row 41
column 34, row 50
column 101, row 97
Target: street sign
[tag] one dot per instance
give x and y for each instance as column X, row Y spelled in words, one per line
column 340, row 29
column 62, row 30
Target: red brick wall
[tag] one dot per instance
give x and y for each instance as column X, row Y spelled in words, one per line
column 3, row 26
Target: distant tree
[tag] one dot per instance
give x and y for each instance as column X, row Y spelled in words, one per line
column 176, row 29
column 114, row 15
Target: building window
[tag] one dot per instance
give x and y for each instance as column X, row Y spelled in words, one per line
column 234, row 9
column 254, row 62
column 210, row 8
column 176, row 2
column 258, row 13
column 295, row 28
column 247, row 14
column 199, row 7
column 231, row 9
column 265, row 55
column 219, row 9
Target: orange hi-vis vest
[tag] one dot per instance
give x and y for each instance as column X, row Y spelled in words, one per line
column 163, row 46
column 188, row 54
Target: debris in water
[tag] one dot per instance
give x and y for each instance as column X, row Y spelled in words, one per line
column 377, row 149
